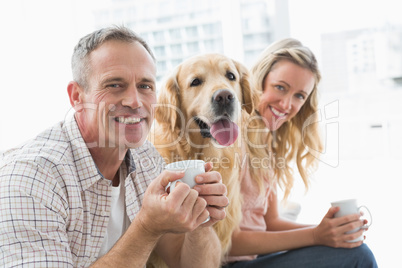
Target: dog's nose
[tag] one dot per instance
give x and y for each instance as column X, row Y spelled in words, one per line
column 223, row 96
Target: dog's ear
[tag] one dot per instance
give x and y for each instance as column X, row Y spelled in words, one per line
column 249, row 95
column 166, row 111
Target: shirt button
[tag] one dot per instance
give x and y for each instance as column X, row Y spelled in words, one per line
column 104, row 213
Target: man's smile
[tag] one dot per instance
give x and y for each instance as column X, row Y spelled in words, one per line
column 128, row 120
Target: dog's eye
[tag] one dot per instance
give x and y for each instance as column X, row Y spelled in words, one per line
column 230, row 76
column 196, row 82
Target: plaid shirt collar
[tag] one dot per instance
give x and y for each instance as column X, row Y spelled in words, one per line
column 89, row 174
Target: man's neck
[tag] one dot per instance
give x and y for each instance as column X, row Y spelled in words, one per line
column 108, row 161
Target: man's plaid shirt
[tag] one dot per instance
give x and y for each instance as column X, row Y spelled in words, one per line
column 55, row 204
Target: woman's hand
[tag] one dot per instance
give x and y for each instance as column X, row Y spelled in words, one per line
column 332, row 231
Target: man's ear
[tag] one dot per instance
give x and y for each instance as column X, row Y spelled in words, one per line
column 75, row 94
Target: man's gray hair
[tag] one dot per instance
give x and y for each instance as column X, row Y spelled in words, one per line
column 80, row 63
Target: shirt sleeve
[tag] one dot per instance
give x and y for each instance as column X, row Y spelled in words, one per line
column 33, row 216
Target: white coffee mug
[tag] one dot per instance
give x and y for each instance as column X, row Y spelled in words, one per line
column 191, row 169
column 347, row 207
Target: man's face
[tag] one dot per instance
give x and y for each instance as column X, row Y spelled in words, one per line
column 121, row 90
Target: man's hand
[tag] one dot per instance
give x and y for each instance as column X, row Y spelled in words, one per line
column 177, row 212
column 211, row 188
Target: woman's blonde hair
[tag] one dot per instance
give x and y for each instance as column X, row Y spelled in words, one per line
column 291, row 141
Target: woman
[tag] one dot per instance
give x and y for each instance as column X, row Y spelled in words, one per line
column 286, row 78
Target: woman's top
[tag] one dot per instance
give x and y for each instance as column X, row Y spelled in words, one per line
column 255, row 206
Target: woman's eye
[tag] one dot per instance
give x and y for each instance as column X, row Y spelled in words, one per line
column 230, row 76
column 195, row 82
column 300, row 96
column 279, row 87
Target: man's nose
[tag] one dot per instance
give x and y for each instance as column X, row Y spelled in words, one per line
column 132, row 98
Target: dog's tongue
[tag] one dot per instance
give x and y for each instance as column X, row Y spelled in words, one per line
column 225, row 132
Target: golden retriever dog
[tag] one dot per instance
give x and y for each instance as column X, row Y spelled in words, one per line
column 198, row 116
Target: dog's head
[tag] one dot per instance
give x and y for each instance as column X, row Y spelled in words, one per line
column 206, row 92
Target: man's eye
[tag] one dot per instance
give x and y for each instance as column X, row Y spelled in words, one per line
column 230, row 76
column 114, row 85
column 146, row 87
column 196, row 82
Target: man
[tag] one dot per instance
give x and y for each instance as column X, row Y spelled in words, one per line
column 90, row 190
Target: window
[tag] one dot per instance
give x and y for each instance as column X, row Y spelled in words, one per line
column 147, row 36
column 175, row 62
column 162, row 20
column 175, row 34
column 162, row 67
column 176, row 49
column 191, row 31
column 159, row 36
column 193, row 47
column 211, row 29
column 252, row 39
column 214, row 45
column 160, row 51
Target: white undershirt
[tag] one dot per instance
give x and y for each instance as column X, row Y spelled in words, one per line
column 118, row 220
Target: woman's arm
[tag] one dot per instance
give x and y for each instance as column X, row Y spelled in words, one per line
column 252, row 242
column 330, row 232
column 280, row 234
column 286, row 235
column 274, row 221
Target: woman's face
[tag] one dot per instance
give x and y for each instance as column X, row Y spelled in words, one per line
column 285, row 89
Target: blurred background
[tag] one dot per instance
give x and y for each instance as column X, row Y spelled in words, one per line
column 358, row 44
